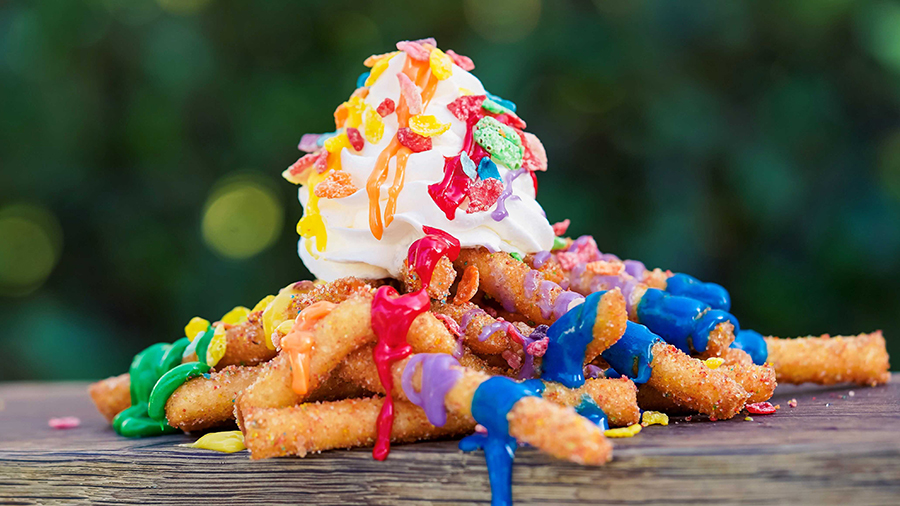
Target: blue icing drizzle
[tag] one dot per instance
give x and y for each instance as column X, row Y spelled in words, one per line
column 361, row 80
column 711, row 294
column 568, row 337
column 681, row 321
column 631, row 355
column 488, row 169
column 590, row 410
column 501, row 101
column 753, row 343
column 490, row 405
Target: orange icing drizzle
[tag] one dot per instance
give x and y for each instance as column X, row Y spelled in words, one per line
column 417, row 72
column 299, row 343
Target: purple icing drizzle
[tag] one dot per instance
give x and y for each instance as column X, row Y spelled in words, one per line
column 437, row 379
column 527, row 371
column 544, row 300
column 500, row 212
column 488, row 330
column 563, row 302
column 467, row 318
column 531, row 281
column 540, row 258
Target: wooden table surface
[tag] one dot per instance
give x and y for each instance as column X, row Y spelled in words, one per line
column 840, row 445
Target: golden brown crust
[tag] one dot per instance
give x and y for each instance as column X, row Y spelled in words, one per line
column 111, row 395
column 826, row 360
column 315, row 427
column 202, row 403
column 693, row 385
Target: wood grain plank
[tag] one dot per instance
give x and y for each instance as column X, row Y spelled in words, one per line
column 832, row 448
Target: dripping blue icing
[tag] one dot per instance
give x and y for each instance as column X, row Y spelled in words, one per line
column 590, row 410
column 711, row 294
column 632, row 354
column 681, row 321
column 568, row 337
column 490, row 406
column 753, row 343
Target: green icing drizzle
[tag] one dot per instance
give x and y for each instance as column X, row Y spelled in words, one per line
column 168, row 383
column 161, row 361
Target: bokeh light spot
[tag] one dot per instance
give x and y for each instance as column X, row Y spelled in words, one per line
column 503, row 20
column 30, row 243
column 879, row 28
column 242, row 217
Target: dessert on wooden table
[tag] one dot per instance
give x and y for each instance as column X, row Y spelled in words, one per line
column 447, row 305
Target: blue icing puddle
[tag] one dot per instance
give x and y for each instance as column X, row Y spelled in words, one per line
column 681, row 321
column 753, row 343
column 631, row 356
column 590, row 410
column 711, row 294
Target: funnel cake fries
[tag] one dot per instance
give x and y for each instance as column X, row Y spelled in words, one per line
column 828, row 360
column 428, row 185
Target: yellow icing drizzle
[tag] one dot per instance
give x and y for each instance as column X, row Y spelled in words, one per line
column 274, row 314
column 226, row 442
column 312, row 225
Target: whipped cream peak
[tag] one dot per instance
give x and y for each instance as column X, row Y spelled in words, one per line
column 419, row 143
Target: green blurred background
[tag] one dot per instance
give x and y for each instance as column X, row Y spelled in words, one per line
column 752, row 143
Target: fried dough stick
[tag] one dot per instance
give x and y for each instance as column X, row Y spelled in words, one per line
column 246, row 343
column 827, row 360
column 441, row 279
column 757, row 380
column 350, row 423
column 516, row 286
column 111, row 395
column 201, row 403
column 693, row 385
column 343, row 330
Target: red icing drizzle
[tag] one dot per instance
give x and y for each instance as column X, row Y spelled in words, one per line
column 454, row 188
column 391, row 318
column 424, row 254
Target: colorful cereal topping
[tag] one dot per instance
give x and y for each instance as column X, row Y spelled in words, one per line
column 374, row 126
column 337, row 185
column 356, row 139
column 427, row 125
column 761, row 408
column 714, row 362
column 441, row 64
column 484, row 194
column 654, row 418
column 385, row 107
column 466, row 106
column 66, row 422
column 410, row 93
column 463, row 62
column 501, row 141
column 415, row 142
